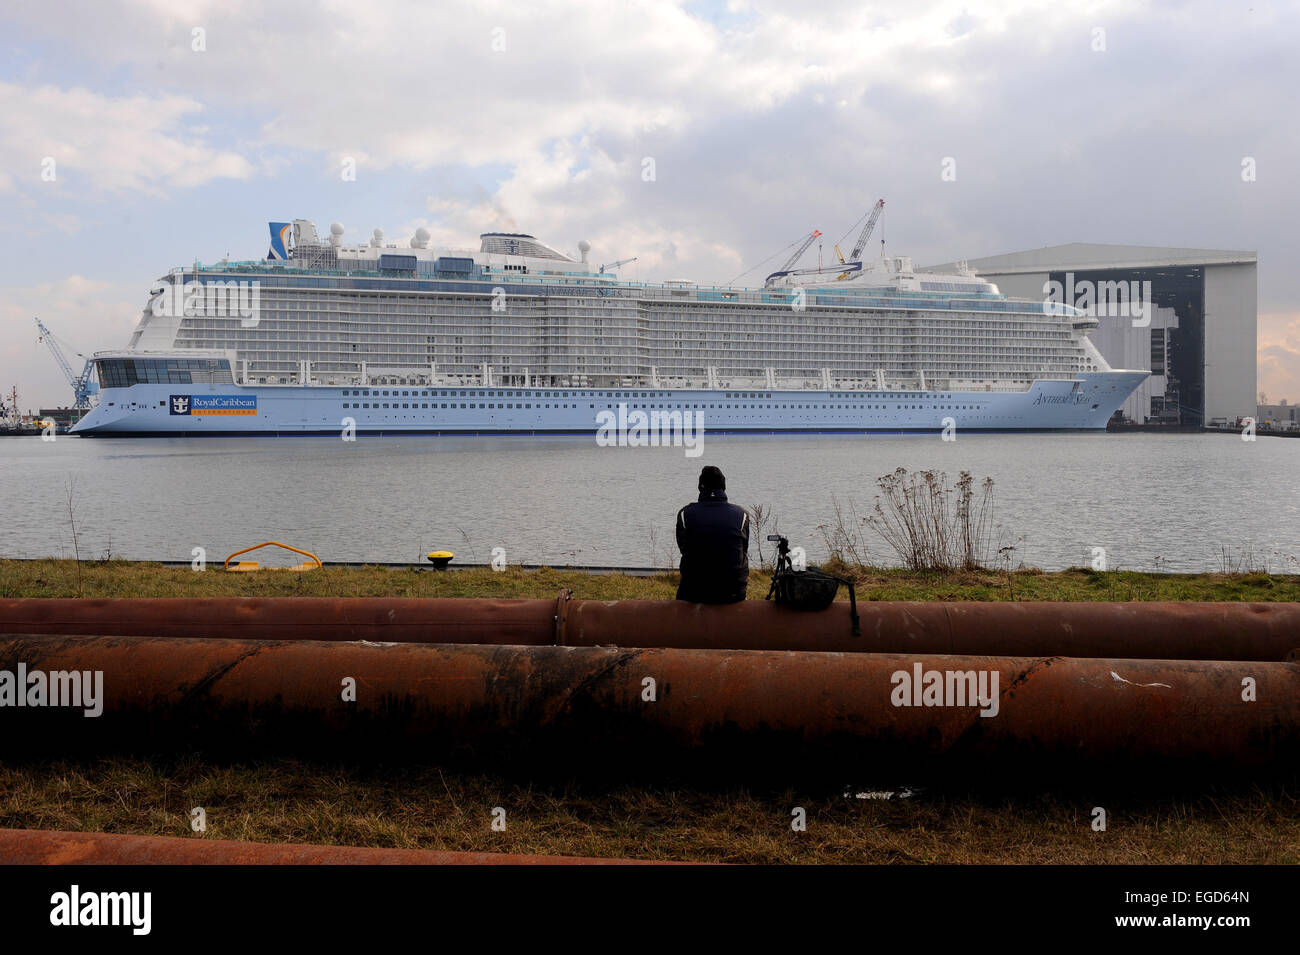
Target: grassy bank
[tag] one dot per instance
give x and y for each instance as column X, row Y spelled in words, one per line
column 288, row 801
column 116, row 578
column 431, row 807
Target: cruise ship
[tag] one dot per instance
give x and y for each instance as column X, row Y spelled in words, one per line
column 519, row 338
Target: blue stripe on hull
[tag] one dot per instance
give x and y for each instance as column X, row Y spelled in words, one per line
column 450, row 432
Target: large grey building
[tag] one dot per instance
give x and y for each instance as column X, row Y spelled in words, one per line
column 1208, row 354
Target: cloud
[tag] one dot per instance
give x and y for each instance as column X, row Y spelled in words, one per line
column 79, row 140
column 1279, row 357
column 418, row 85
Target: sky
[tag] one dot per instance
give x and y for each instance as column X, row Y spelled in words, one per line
column 703, row 138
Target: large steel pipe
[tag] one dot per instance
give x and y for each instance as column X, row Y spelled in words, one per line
column 595, row 707
column 1165, row 631
column 1190, row 631
column 377, row 619
column 48, row 847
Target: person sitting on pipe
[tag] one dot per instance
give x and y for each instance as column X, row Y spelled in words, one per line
column 713, row 537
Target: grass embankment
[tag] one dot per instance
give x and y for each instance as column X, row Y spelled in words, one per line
column 288, row 801
column 1228, row 821
column 116, row 578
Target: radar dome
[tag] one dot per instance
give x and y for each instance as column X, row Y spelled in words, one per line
column 336, row 234
column 421, row 240
column 584, row 246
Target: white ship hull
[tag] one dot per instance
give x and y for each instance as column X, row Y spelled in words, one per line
column 170, row 410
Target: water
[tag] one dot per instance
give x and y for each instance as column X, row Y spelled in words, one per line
column 1153, row 501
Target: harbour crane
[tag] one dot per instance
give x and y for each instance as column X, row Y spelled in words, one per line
column 789, row 263
column 855, row 256
column 82, row 388
column 802, row 249
column 614, row 265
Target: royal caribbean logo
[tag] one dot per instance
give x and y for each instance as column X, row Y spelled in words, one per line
column 214, row 404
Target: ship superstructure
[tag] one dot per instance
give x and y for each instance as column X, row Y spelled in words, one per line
column 314, row 330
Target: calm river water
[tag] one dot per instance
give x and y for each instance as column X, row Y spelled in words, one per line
column 1153, row 501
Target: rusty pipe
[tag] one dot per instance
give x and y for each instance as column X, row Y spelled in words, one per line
column 48, row 847
column 593, row 705
column 1155, row 630
column 1165, row 630
column 376, row 619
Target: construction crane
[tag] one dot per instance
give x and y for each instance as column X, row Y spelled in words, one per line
column 855, row 256
column 789, row 263
column 81, row 384
column 802, row 249
column 614, row 265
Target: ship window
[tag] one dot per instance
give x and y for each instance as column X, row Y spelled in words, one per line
column 366, row 405
column 405, row 406
column 491, row 406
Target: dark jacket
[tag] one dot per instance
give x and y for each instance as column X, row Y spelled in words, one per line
column 713, row 537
